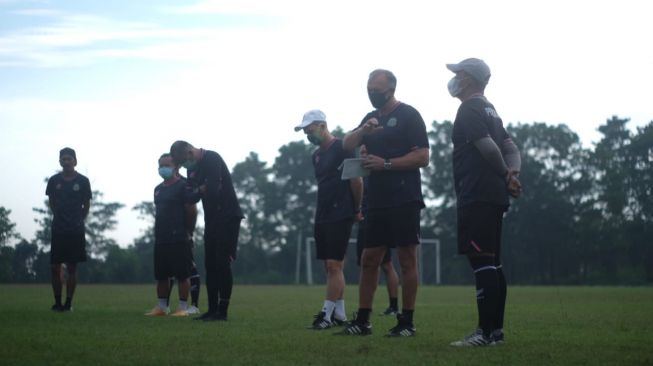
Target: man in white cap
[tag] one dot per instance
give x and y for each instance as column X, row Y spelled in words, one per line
column 486, row 165
column 338, row 206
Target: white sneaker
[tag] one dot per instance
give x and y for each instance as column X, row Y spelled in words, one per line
column 193, row 310
column 476, row 339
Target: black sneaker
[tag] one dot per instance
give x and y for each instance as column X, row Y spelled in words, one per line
column 390, row 311
column 67, row 307
column 402, row 329
column 217, row 316
column 205, row 316
column 356, row 327
column 337, row 322
column 321, row 322
column 57, row 308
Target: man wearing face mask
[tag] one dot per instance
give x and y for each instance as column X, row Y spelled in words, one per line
column 338, row 206
column 69, row 198
column 209, row 180
column 397, row 147
column 486, row 165
column 174, row 224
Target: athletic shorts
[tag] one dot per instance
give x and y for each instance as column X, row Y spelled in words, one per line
column 331, row 239
column 479, row 228
column 172, row 260
column 68, row 248
column 393, row 226
column 360, row 244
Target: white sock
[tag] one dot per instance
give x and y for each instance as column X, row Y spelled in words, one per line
column 328, row 308
column 163, row 304
column 183, row 305
column 340, row 312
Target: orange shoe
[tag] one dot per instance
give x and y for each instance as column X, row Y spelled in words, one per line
column 156, row 311
column 180, row 312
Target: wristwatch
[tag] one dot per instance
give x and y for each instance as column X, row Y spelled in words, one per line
column 387, row 165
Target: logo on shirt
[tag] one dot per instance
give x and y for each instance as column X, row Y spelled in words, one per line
column 75, row 187
column 58, row 186
column 392, row 122
column 491, row 112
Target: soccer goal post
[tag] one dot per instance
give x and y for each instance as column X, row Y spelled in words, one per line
column 428, row 259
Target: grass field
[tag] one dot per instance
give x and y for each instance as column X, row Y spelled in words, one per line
column 544, row 326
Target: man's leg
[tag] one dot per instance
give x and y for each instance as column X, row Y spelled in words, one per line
column 225, row 283
column 57, row 284
column 392, row 283
column 211, row 266
column 369, row 279
column 71, row 285
column 408, row 262
column 487, row 290
column 184, row 288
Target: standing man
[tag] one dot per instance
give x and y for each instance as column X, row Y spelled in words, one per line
column 174, row 223
column 391, row 277
column 209, row 180
column 338, row 205
column 486, row 165
column 397, row 145
column 69, row 198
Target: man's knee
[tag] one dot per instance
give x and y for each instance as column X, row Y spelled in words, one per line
column 372, row 258
column 333, row 266
column 407, row 258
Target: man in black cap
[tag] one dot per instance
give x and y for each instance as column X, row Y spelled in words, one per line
column 69, row 196
column 209, row 180
column 486, row 165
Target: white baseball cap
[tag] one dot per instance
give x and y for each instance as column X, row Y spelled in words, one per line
column 475, row 67
column 310, row 117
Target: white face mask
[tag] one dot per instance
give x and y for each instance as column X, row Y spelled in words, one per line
column 454, row 87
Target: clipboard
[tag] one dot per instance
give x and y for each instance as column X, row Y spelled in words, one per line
column 352, row 168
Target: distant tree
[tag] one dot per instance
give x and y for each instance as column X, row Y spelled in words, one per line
column 7, row 227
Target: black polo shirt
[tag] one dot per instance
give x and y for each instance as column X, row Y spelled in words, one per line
column 170, row 201
column 334, row 197
column 474, row 178
column 219, row 201
column 68, row 196
column 403, row 131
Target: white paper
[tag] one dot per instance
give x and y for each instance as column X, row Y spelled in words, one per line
column 352, row 168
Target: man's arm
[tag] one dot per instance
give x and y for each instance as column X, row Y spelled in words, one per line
column 356, row 186
column 191, row 219
column 354, row 138
column 418, row 158
column 87, row 207
column 491, row 153
column 51, row 203
column 511, row 155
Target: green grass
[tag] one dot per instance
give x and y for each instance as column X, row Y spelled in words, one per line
column 544, row 326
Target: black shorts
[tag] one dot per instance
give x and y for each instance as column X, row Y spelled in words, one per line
column 68, row 248
column 331, row 239
column 172, row 260
column 360, row 244
column 393, row 226
column 479, row 228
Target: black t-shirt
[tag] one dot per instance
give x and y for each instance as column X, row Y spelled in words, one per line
column 170, row 221
column 334, row 196
column 403, row 131
column 69, row 197
column 474, row 178
column 219, row 201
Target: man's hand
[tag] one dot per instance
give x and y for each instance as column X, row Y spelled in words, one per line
column 371, row 125
column 513, row 183
column 359, row 217
column 373, row 162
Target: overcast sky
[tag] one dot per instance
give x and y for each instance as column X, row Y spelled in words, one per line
column 120, row 80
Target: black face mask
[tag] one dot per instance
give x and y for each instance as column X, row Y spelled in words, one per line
column 378, row 99
column 313, row 139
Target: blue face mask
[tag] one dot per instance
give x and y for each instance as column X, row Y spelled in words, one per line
column 166, row 172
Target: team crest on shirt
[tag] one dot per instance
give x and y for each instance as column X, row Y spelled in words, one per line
column 75, row 187
column 58, row 186
column 491, row 112
column 392, row 122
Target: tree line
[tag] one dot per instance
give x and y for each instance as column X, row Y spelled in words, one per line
column 585, row 216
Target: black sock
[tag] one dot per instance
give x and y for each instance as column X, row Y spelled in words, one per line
column 501, row 299
column 57, row 300
column 393, row 303
column 363, row 315
column 407, row 315
column 69, row 301
column 223, row 306
column 195, row 287
column 487, row 284
column 171, row 282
